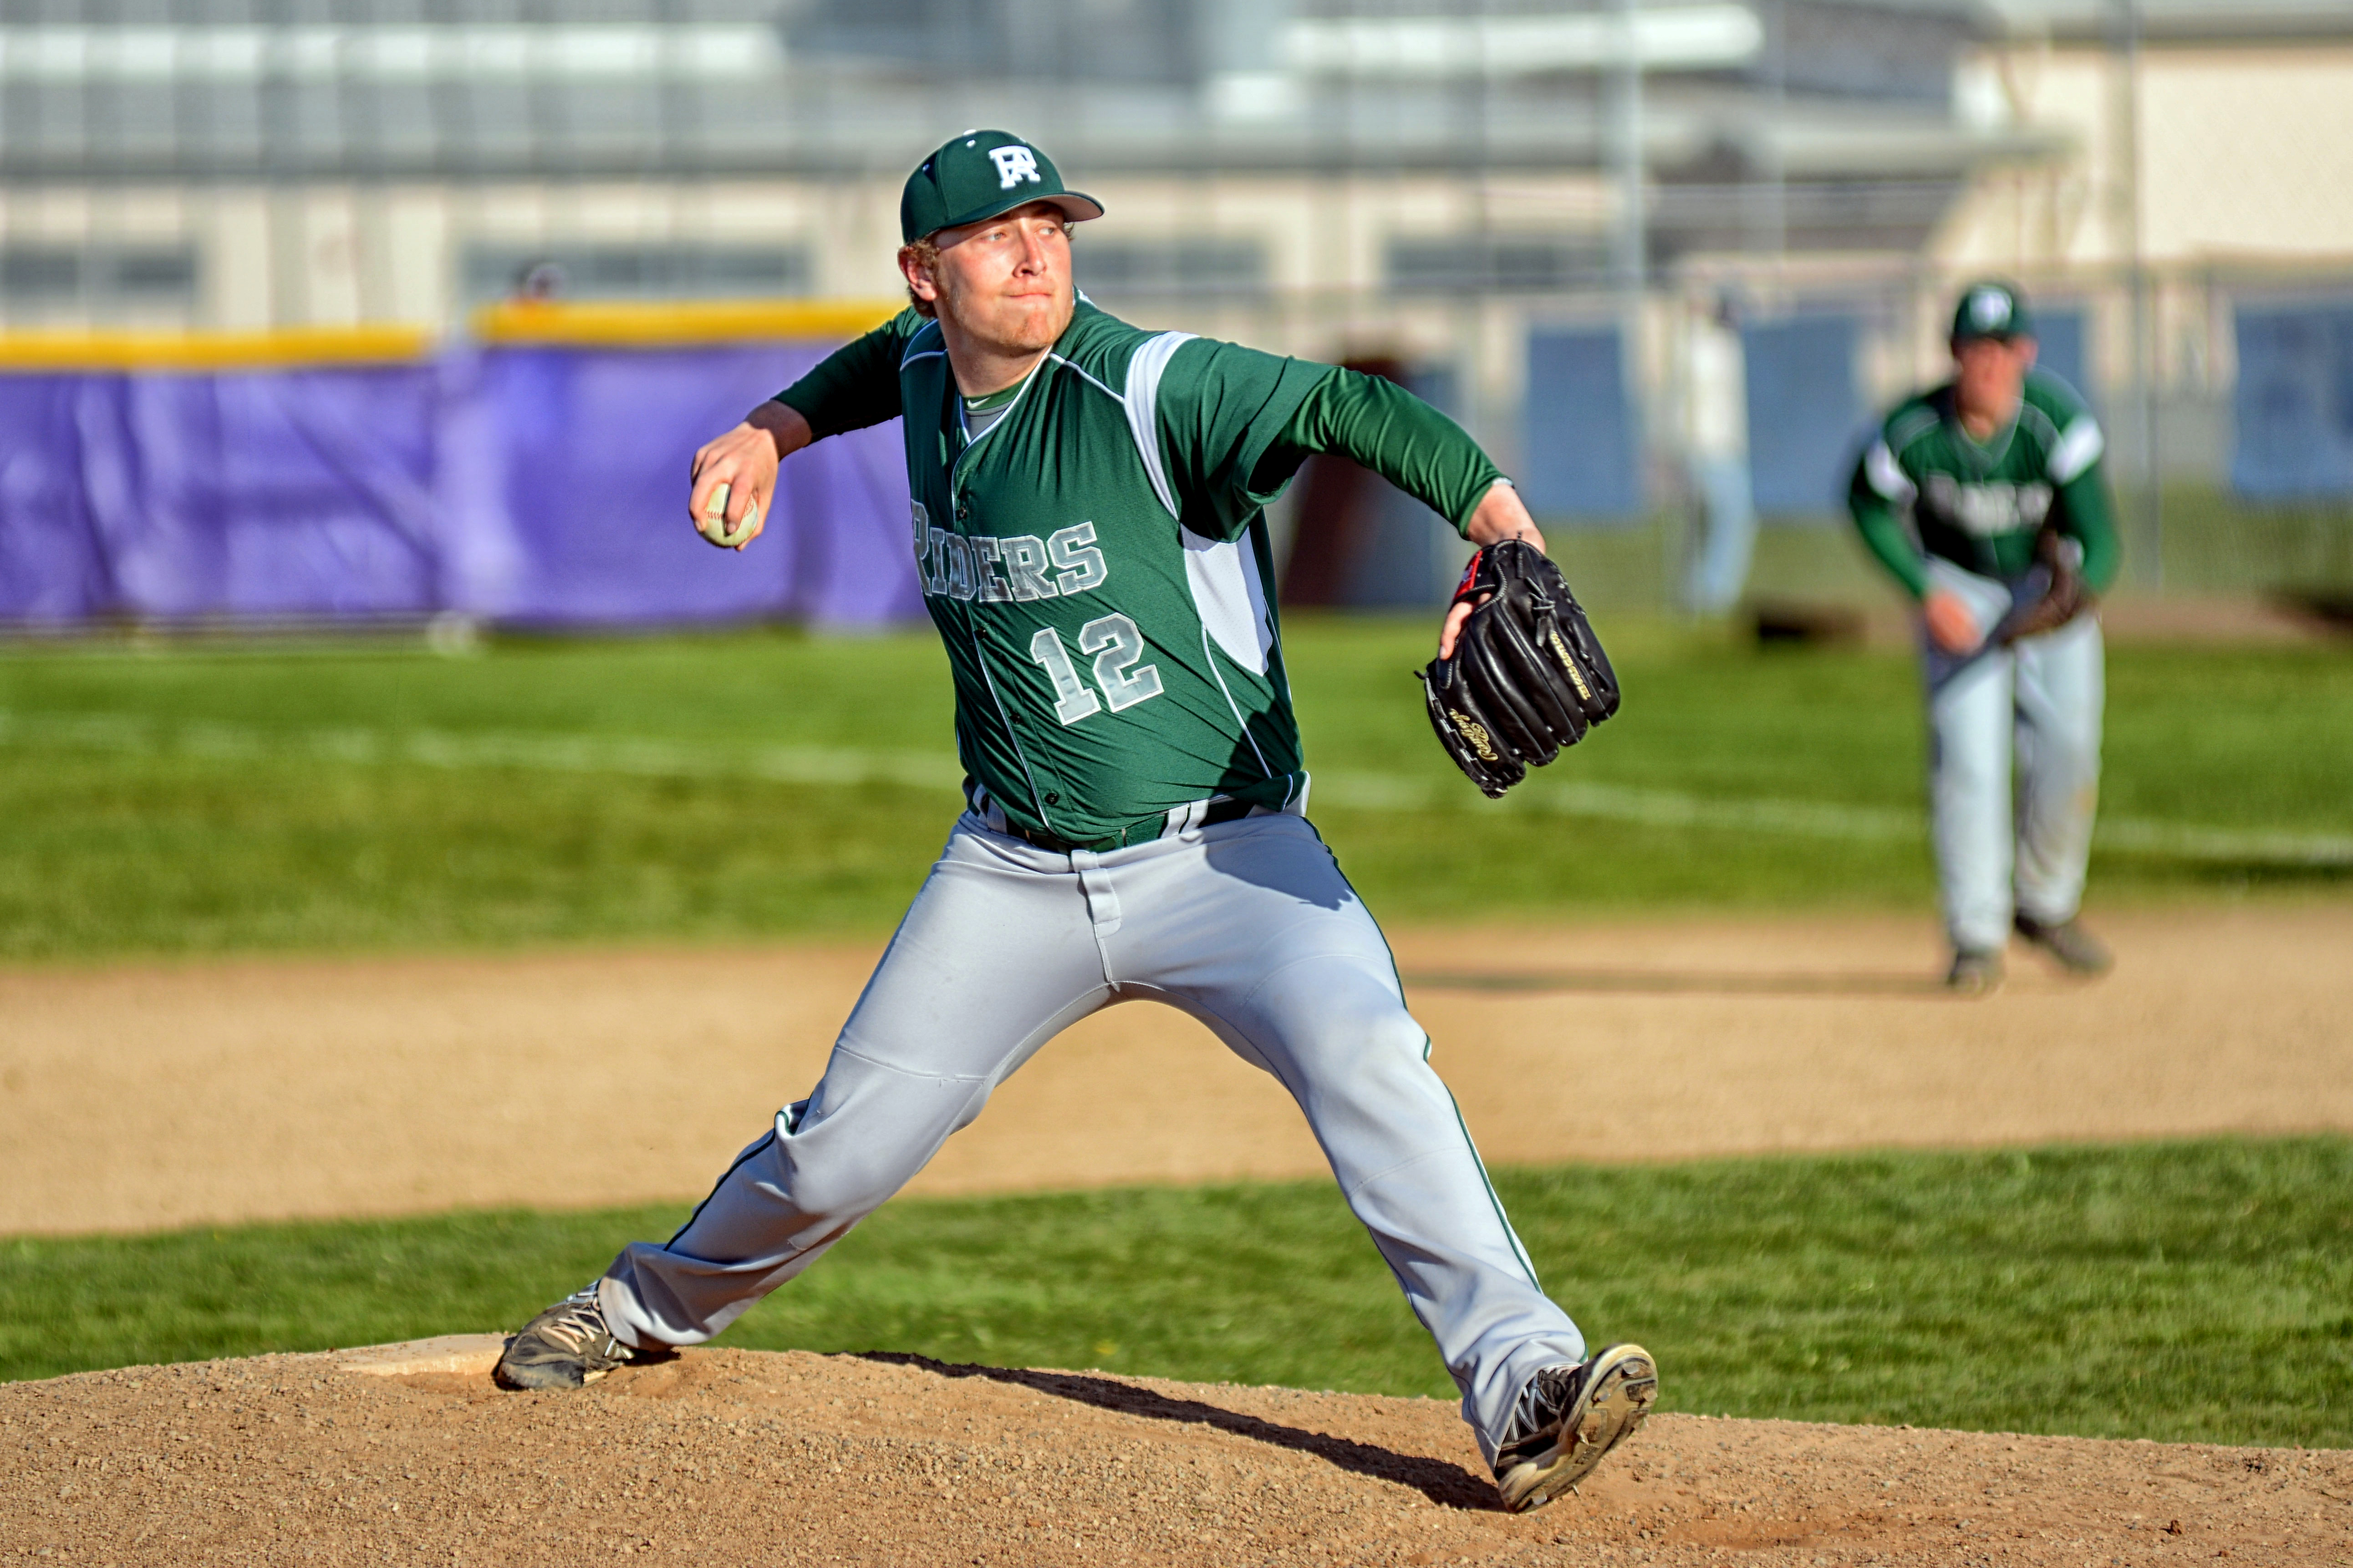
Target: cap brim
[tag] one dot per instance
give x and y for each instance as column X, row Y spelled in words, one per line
column 1076, row 206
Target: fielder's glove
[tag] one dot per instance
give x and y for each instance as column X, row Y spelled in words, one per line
column 2066, row 596
column 1528, row 676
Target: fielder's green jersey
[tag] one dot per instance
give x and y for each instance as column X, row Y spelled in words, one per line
column 1096, row 559
column 1980, row 506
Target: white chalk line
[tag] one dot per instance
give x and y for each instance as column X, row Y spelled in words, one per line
column 481, row 748
column 1349, row 790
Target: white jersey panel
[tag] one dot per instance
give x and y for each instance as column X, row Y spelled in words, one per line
column 2078, row 448
column 1144, row 368
column 1887, row 476
column 1230, row 598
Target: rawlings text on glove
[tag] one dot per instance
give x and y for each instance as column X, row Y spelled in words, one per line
column 1528, row 676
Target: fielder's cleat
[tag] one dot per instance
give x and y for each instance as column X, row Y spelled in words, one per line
column 564, row 1347
column 1974, row 973
column 2068, row 942
column 1569, row 1417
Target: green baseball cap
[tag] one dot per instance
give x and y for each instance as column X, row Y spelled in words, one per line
column 978, row 175
column 1992, row 309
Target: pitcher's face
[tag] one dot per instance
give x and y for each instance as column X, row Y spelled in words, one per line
column 1006, row 281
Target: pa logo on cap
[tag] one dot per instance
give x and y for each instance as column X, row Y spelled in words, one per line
column 1014, row 165
column 1988, row 310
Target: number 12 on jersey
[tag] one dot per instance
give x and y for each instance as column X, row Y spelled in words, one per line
column 1116, row 646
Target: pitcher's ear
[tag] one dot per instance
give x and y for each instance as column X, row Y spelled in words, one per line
column 916, row 264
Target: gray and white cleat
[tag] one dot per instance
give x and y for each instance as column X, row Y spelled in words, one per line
column 2076, row 949
column 1569, row 1417
column 1974, row 973
column 566, row 1346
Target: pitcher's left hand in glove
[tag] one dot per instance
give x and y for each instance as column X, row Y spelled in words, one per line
column 1526, row 676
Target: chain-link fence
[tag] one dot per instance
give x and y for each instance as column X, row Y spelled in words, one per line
column 209, row 164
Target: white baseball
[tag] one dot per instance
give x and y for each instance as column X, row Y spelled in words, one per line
column 714, row 524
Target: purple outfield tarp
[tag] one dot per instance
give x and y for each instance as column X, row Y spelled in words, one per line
column 518, row 483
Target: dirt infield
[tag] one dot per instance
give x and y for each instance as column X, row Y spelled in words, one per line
column 737, row 1457
column 253, row 1088
column 141, row 1097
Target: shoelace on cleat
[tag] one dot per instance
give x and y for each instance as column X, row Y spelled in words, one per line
column 1549, row 1393
column 579, row 1326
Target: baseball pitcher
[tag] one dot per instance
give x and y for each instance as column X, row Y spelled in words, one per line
column 1986, row 499
column 1088, row 527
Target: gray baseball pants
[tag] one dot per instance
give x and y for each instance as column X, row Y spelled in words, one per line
column 2014, row 769
column 1249, row 927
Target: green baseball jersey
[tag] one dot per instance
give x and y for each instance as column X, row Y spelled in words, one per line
column 1980, row 505
column 1095, row 558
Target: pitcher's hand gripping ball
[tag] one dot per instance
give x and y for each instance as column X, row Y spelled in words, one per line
column 713, row 524
column 1528, row 676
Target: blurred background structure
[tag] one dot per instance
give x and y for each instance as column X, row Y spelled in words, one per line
column 446, row 289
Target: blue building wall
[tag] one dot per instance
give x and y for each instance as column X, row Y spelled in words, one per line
column 1806, row 412
column 2295, row 401
column 1580, row 458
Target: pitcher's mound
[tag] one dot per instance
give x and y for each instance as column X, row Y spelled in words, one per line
column 725, row 1457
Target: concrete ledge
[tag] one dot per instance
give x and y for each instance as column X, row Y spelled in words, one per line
column 468, row 1355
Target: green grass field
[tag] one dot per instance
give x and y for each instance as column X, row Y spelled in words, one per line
column 766, row 782
column 2212, row 543
column 2195, row 1290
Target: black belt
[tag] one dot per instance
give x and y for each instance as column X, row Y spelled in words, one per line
column 1055, row 843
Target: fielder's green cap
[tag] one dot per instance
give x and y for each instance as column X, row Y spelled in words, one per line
column 978, row 175
column 1992, row 309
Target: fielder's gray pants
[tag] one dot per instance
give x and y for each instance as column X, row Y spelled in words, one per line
column 1249, row 927
column 2014, row 769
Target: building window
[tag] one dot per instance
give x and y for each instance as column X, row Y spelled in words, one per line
column 1168, row 267
column 35, row 278
column 634, row 271
column 1495, row 264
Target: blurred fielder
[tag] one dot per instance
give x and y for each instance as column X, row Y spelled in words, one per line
column 1087, row 526
column 1987, row 499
